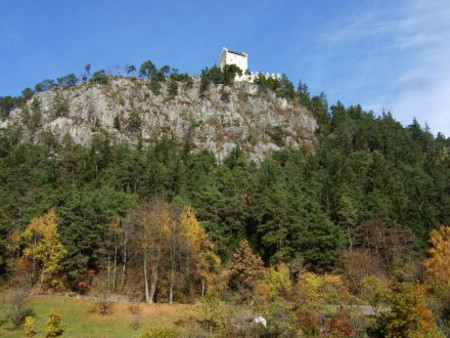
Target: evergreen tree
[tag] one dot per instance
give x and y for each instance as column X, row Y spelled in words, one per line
column 318, row 240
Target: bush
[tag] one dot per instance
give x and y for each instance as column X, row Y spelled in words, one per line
column 117, row 122
column 155, row 87
column 28, row 327
column 160, row 332
column 135, row 312
column 104, row 306
column 60, row 106
column 134, row 122
column 53, row 323
column 100, row 77
column 172, row 88
column 278, row 134
column 204, row 86
column 341, row 325
column 17, row 310
column 224, row 96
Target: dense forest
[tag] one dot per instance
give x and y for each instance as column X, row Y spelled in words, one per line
column 168, row 223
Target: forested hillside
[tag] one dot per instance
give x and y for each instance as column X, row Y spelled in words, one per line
column 359, row 201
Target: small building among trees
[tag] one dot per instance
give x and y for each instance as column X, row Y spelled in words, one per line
column 240, row 59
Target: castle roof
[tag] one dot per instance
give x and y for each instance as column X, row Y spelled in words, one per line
column 237, row 53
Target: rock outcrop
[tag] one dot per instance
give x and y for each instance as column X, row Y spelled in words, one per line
column 227, row 116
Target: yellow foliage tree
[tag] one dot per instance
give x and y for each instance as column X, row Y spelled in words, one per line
column 438, row 264
column 277, row 280
column 315, row 291
column 199, row 249
column 44, row 246
column 375, row 291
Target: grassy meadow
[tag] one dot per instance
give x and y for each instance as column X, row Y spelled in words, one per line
column 81, row 318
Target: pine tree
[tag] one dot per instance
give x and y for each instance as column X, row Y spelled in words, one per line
column 134, row 122
column 319, row 240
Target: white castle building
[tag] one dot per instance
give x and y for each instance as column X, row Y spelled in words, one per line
column 240, row 59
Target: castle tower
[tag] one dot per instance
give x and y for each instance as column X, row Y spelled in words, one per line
column 229, row 57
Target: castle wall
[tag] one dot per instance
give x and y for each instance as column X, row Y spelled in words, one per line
column 229, row 58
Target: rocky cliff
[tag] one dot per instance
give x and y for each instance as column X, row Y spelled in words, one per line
column 258, row 122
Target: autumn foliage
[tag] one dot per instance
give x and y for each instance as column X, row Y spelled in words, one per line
column 438, row 264
column 44, row 248
column 410, row 316
column 246, row 268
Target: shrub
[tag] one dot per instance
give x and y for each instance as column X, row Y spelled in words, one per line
column 204, row 86
column 104, row 306
column 28, row 327
column 189, row 83
column 100, row 77
column 375, row 291
column 34, row 121
column 135, row 312
column 278, row 134
column 60, row 106
column 155, row 87
column 341, row 325
column 17, row 310
column 117, row 122
column 134, row 122
column 160, row 332
column 172, row 88
column 53, row 325
column 224, row 96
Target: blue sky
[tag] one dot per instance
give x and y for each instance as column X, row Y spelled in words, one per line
column 386, row 55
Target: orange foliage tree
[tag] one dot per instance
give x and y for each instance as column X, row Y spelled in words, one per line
column 438, row 264
column 246, row 268
column 410, row 316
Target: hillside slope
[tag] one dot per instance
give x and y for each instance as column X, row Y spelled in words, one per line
column 258, row 122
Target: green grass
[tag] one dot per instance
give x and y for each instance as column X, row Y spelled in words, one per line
column 80, row 318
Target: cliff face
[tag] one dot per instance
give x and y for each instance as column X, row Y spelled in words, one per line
column 258, row 122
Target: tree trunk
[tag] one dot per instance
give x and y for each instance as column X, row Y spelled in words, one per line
column 33, row 275
column 203, row 287
column 109, row 273
column 172, row 280
column 147, row 294
column 187, row 264
column 350, row 241
column 115, row 268
column 124, row 266
column 153, row 283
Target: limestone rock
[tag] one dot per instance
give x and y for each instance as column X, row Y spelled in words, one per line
column 258, row 122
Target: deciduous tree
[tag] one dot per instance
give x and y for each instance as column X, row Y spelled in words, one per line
column 438, row 263
column 410, row 316
column 44, row 246
column 246, row 268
